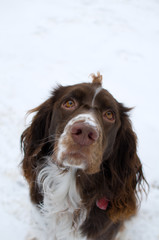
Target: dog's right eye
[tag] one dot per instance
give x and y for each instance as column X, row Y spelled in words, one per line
column 109, row 116
column 69, row 104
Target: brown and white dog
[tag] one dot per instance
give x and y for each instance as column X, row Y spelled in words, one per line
column 81, row 164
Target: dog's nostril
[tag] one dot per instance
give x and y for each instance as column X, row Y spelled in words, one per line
column 91, row 135
column 78, row 132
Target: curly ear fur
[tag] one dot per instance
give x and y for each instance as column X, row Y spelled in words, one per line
column 125, row 171
column 34, row 142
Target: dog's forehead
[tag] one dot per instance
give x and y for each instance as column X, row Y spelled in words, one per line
column 92, row 93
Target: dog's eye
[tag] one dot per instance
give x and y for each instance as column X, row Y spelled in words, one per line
column 69, row 104
column 109, row 115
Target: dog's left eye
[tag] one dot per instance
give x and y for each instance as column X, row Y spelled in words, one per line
column 109, row 116
column 69, row 104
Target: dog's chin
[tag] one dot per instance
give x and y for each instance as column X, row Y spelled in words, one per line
column 75, row 160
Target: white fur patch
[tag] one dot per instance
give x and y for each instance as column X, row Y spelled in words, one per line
column 96, row 93
column 54, row 220
column 85, row 117
column 81, row 166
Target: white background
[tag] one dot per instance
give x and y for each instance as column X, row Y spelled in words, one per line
column 45, row 42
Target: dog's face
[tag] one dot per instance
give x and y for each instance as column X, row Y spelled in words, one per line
column 84, row 124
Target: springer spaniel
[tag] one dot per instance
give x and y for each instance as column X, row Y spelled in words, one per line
column 81, row 164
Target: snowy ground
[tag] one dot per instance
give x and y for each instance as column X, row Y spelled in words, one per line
column 44, row 42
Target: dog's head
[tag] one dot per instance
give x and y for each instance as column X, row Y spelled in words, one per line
column 84, row 124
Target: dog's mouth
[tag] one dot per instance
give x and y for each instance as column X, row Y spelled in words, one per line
column 86, row 158
column 76, row 155
column 70, row 154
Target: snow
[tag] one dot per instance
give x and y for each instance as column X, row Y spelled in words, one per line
column 45, row 42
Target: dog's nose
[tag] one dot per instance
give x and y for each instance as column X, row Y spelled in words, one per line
column 84, row 134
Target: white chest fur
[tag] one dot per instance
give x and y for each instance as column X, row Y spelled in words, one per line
column 61, row 215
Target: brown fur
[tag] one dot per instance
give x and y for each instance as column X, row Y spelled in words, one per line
column 120, row 176
column 97, row 79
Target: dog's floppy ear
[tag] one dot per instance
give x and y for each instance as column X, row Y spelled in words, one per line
column 33, row 140
column 126, row 170
column 37, row 141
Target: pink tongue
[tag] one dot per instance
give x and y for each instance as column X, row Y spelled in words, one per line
column 102, row 203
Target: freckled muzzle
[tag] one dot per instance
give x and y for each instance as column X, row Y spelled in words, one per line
column 80, row 144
